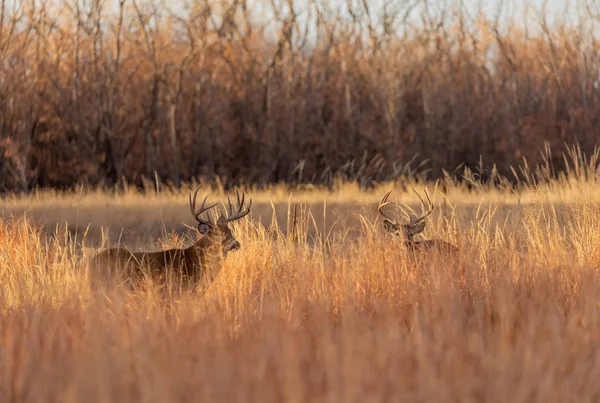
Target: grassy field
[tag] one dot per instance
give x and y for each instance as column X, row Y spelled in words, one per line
column 342, row 314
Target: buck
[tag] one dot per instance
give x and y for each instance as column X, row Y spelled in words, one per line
column 415, row 227
column 192, row 263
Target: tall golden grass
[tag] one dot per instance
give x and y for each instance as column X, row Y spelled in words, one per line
column 333, row 312
column 303, row 91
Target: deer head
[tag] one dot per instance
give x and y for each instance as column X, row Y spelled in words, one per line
column 410, row 230
column 219, row 232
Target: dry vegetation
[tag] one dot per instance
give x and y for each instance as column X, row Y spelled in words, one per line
column 338, row 314
column 358, row 99
column 297, row 90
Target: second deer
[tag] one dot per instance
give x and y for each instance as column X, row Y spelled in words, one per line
column 407, row 232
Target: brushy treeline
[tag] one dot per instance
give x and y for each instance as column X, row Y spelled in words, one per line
column 300, row 91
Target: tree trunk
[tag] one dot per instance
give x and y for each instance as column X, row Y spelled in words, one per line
column 175, row 157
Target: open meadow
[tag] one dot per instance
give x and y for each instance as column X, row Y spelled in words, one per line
column 334, row 310
column 112, row 111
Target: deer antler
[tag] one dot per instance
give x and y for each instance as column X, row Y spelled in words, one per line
column 427, row 213
column 384, row 202
column 240, row 203
column 196, row 213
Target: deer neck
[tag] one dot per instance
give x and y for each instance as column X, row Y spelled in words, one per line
column 203, row 248
column 203, row 257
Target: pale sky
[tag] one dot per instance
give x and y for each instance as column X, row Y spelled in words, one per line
column 510, row 8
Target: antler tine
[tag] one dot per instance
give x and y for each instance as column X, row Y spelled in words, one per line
column 431, row 206
column 239, row 214
column 203, row 209
column 240, row 203
column 427, row 213
column 196, row 213
column 193, row 202
column 229, row 206
column 419, row 196
column 384, row 202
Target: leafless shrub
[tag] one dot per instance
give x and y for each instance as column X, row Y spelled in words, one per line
column 101, row 95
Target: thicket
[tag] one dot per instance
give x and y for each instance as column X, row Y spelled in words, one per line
column 100, row 92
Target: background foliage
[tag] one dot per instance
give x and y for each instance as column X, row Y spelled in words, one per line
column 297, row 91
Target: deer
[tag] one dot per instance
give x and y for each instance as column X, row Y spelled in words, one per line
column 415, row 227
column 192, row 263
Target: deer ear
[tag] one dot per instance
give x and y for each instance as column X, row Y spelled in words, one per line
column 417, row 229
column 203, row 228
column 389, row 226
column 221, row 221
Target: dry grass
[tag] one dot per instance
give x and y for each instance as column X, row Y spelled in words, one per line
column 340, row 315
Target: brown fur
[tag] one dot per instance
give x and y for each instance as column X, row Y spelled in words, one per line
column 408, row 232
column 431, row 244
column 189, row 265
